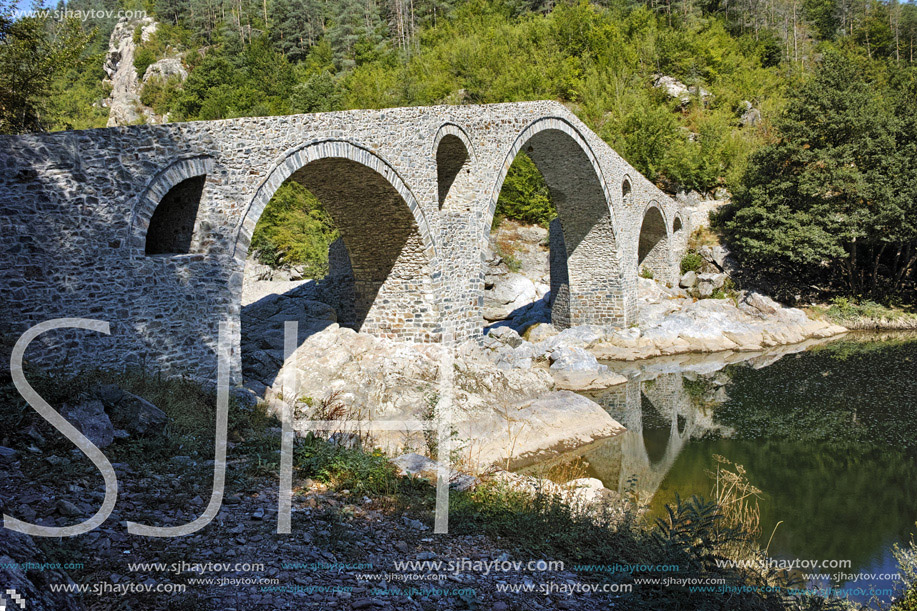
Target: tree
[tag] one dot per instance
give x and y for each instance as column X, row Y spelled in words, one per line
column 832, row 198
column 525, row 196
column 34, row 50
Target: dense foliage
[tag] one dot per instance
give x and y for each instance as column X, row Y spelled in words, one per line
column 525, row 196
column 35, row 55
column 294, row 229
column 834, row 198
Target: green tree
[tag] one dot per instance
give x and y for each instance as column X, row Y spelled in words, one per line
column 34, row 51
column 820, row 203
column 294, row 229
column 525, row 196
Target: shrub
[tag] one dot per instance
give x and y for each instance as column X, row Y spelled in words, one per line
column 347, row 468
column 144, row 56
column 691, row 262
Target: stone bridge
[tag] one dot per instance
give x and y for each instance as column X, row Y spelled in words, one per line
column 148, row 227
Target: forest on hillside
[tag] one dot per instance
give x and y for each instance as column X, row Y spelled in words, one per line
column 823, row 182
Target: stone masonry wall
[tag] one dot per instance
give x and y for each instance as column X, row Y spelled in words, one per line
column 75, row 208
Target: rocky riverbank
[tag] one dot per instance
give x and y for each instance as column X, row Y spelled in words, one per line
column 507, row 396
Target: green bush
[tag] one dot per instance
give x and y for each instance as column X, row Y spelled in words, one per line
column 691, row 262
column 160, row 94
column 144, row 56
column 352, row 469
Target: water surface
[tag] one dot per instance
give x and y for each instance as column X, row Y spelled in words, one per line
column 829, row 436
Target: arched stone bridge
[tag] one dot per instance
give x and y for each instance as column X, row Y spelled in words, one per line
column 148, row 227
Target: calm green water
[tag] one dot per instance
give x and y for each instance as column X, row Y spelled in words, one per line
column 828, row 435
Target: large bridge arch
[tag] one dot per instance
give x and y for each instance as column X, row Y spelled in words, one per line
column 392, row 253
column 587, row 265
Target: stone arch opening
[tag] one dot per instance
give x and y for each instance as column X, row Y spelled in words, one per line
column 626, row 190
column 679, row 242
column 586, row 285
column 452, row 158
column 172, row 226
column 379, row 278
column 164, row 216
column 454, row 155
column 653, row 259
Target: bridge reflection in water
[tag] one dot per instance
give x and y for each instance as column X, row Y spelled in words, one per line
column 666, row 403
column 661, row 417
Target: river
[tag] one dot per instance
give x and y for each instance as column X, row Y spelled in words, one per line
column 826, row 431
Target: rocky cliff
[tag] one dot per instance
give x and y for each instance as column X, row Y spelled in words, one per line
column 124, row 101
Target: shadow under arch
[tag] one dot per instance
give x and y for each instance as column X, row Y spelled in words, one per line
column 388, row 288
column 454, row 154
column 586, row 262
column 654, row 245
column 156, row 189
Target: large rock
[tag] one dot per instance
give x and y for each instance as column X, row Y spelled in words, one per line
column 523, row 433
column 506, row 335
column 575, row 369
column 129, row 412
column 540, row 332
column 90, row 419
column 759, row 304
column 679, row 91
column 572, row 358
column 8, row 455
column 124, row 101
column 708, row 283
column 509, row 294
column 688, row 280
column 378, row 378
column 166, row 69
column 672, row 324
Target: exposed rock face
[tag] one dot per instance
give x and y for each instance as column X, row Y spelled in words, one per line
column 674, row 323
column 751, row 116
column 522, row 433
column 523, row 293
column 576, row 369
column 508, row 295
column 678, row 90
column 90, row 419
column 372, row 378
column 129, row 412
column 124, row 101
column 165, row 69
